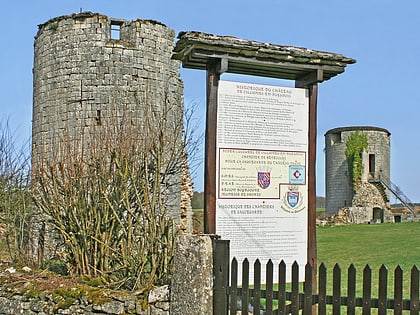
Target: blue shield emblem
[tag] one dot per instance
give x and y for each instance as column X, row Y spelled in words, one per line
column 264, row 179
column 293, row 198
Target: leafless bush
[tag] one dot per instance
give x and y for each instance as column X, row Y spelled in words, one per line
column 15, row 198
column 193, row 137
column 108, row 200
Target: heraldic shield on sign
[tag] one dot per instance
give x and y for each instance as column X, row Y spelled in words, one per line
column 264, row 178
column 292, row 200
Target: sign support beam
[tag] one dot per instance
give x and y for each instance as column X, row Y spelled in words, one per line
column 310, row 82
column 214, row 67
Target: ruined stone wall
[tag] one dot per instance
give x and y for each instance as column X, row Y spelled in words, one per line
column 339, row 188
column 87, row 81
column 379, row 144
column 190, row 291
column 13, row 302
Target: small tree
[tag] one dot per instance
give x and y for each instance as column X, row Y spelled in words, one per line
column 356, row 143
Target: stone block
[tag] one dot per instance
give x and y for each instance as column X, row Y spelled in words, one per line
column 192, row 283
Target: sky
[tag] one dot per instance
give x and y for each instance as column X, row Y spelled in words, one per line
column 381, row 89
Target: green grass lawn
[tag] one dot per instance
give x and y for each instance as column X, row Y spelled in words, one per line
column 391, row 244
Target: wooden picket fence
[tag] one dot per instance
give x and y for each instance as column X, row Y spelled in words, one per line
column 293, row 298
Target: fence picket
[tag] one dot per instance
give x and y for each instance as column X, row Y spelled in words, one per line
column 414, row 291
column 257, row 288
column 307, row 301
column 382, row 290
column 351, row 290
column 282, row 288
column 367, row 290
column 322, row 290
column 336, row 290
column 303, row 302
column 234, row 287
column 221, row 276
column 295, row 289
column 245, row 286
column 398, row 290
column 269, row 288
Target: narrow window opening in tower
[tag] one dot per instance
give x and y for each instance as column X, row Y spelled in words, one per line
column 116, row 30
column 372, row 165
column 98, row 117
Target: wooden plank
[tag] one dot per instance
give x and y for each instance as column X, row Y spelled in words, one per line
column 264, row 66
column 307, row 300
column 322, row 290
column 351, row 290
column 367, row 290
column 269, row 288
column 213, row 78
column 398, row 290
column 282, row 288
column 257, row 287
column 312, row 251
column 312, row 137
column 221, row 276
column 310, row 78
column 245, row 286
column 234, row 287
column 336, row 290
column 414, row 291
column 295, row 289
column 382, row 290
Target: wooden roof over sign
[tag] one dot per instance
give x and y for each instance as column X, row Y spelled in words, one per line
column 241, row 56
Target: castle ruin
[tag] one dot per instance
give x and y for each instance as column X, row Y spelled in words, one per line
column 94, row 75
column 370, row 202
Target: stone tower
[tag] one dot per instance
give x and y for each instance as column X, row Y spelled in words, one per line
column 92, row 73
column 372, row 197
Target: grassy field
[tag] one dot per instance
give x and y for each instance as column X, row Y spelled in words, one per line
column 391, row 244
column 361, row 244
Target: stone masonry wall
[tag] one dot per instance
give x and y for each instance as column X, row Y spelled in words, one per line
column 339, row 189
column 190, row 291
column 12, row 303
column 86, row 82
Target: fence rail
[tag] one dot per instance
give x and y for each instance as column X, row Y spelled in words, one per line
column 290, row 299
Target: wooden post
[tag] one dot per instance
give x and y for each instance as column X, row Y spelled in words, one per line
column 313, row 93
column 221, row 264
column 312, row 252
column 310, row 82
column 213, row 77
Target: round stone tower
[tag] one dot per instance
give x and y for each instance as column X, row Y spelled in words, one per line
column 92, row 73
column 375, row 171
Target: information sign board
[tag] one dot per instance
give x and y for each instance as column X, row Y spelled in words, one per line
column 261, row 173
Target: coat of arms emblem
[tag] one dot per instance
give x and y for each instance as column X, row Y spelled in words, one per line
column 293, row 198
column 264, row 178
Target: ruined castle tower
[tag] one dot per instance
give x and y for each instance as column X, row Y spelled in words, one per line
column 372, row 197
column 92, row 73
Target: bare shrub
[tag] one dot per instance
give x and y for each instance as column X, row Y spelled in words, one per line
column 193, row 137
column 107, row 198
column 15, row 198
